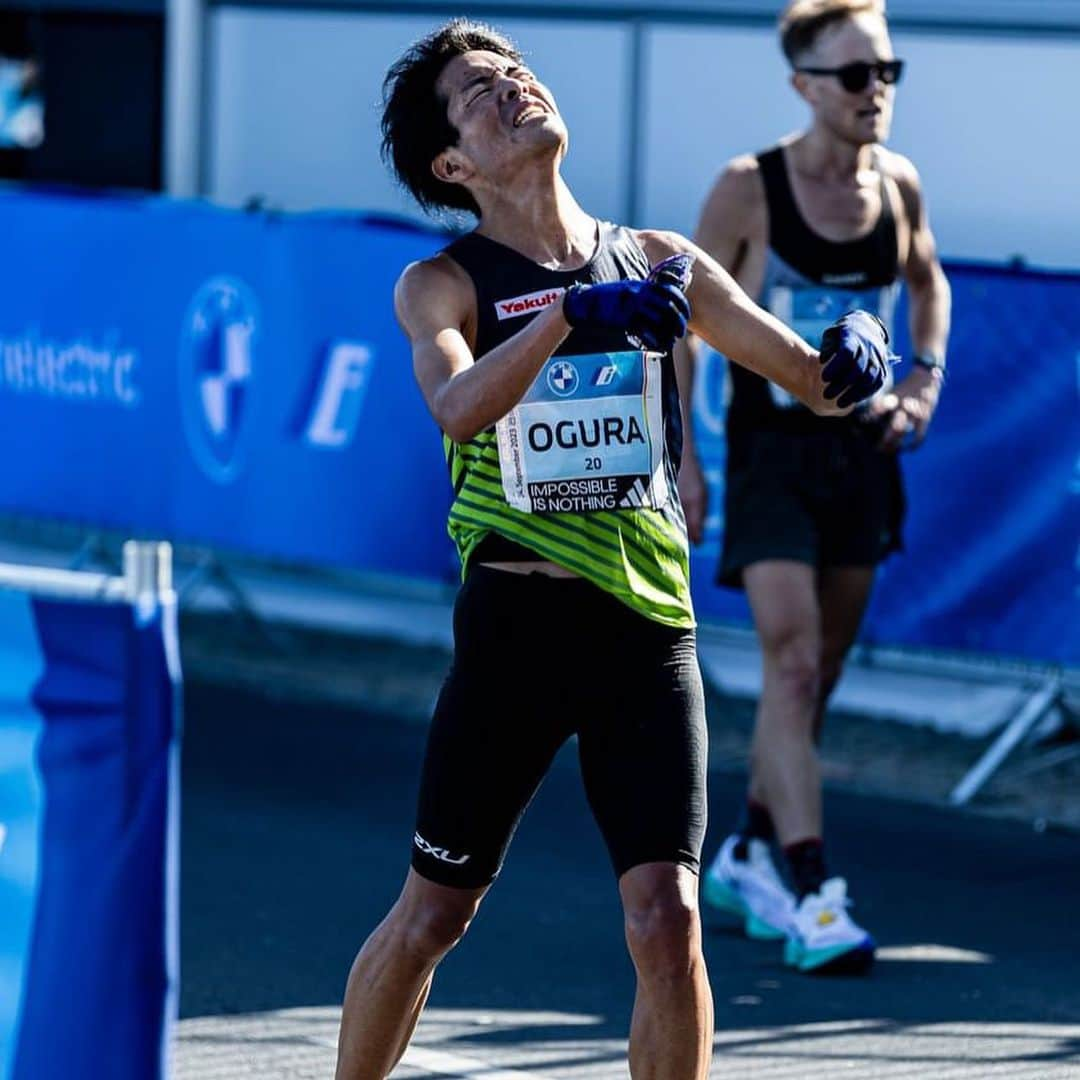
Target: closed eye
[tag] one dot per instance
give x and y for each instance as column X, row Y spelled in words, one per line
column 481, row 81
column 485, row 81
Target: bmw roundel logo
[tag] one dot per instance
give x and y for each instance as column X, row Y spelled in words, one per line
column 216, row 370
column 562, row 378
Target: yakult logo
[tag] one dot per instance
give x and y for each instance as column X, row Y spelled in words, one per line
column 517, row 306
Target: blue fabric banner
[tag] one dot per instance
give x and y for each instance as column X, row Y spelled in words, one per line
column 239, row 380
column 991, row 543
column 89, row 708
column 234, row 379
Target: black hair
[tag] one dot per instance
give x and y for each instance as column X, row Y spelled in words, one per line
column 415, row 128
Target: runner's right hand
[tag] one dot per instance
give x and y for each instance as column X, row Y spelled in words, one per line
column 655, row 313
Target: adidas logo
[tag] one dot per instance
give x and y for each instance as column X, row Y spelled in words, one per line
column 635, row 497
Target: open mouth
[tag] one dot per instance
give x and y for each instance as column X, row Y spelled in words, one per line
column 528, row 113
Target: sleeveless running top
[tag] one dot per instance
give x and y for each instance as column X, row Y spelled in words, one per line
column 809, row 283
column 583, row 471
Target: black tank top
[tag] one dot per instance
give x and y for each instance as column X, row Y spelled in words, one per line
column 511, row 289
column 810, row 282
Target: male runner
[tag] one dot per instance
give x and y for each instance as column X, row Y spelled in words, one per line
column 823, row 222
column 563, row 442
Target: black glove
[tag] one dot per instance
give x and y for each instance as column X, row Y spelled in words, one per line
column 856, row 358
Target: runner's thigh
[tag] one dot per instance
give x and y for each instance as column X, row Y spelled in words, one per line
column 643, row 747
column 494, row 731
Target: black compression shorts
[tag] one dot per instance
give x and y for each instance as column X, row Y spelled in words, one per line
column 536, row 660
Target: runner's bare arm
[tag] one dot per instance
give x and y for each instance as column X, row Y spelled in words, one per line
column 914, row 400
column 929, row 295
column 732, row 214
column 725, row 317
column 435, row 304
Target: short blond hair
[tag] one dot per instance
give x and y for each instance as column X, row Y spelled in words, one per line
column 802, row 21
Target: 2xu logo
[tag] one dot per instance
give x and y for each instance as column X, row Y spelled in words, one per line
column 439, row 853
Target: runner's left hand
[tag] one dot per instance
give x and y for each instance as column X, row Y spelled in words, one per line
column 855, row 358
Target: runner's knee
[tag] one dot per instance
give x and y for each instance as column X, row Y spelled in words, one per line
column 432, row 928
column 662, row 931
column 793, row 666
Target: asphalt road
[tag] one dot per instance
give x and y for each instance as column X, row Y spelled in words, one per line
column 296, row 829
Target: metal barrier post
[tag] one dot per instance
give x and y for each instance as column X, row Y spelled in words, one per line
column 1035, row 708
column 147, row 570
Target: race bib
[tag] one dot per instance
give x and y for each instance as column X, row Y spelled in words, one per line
column 587, row 436
column 809, row 311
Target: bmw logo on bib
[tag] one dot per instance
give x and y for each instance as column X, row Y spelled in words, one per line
column 562, row 378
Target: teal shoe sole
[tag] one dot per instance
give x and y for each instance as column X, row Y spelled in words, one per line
column 720, row 897
column 760, row 930
column 835, row 960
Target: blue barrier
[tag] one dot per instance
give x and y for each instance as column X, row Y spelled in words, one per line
column 207, row 375
column 88, row 841
column 239, row 380
column 990, row 562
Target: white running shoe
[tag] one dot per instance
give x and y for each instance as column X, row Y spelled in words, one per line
column 824, row 938
column 751, row 889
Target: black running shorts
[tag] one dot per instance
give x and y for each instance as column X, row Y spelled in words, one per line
column 826, row 498
column 536, row 660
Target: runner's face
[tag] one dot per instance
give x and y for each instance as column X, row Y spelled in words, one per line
column 503, row 115
column 857, row 118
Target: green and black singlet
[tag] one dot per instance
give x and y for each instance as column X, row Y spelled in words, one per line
column 583, row 471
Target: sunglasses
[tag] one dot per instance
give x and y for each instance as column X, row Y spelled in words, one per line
column 855, row 77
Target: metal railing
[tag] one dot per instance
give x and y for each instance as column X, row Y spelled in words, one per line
column 147, row 578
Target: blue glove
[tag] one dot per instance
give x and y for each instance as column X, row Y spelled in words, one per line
column 653, row 312
column 674, row 270
column 856, row 358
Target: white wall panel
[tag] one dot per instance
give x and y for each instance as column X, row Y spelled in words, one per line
column 294, row 106
column 991, row 125
column 713, row 94
column 989, row 122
